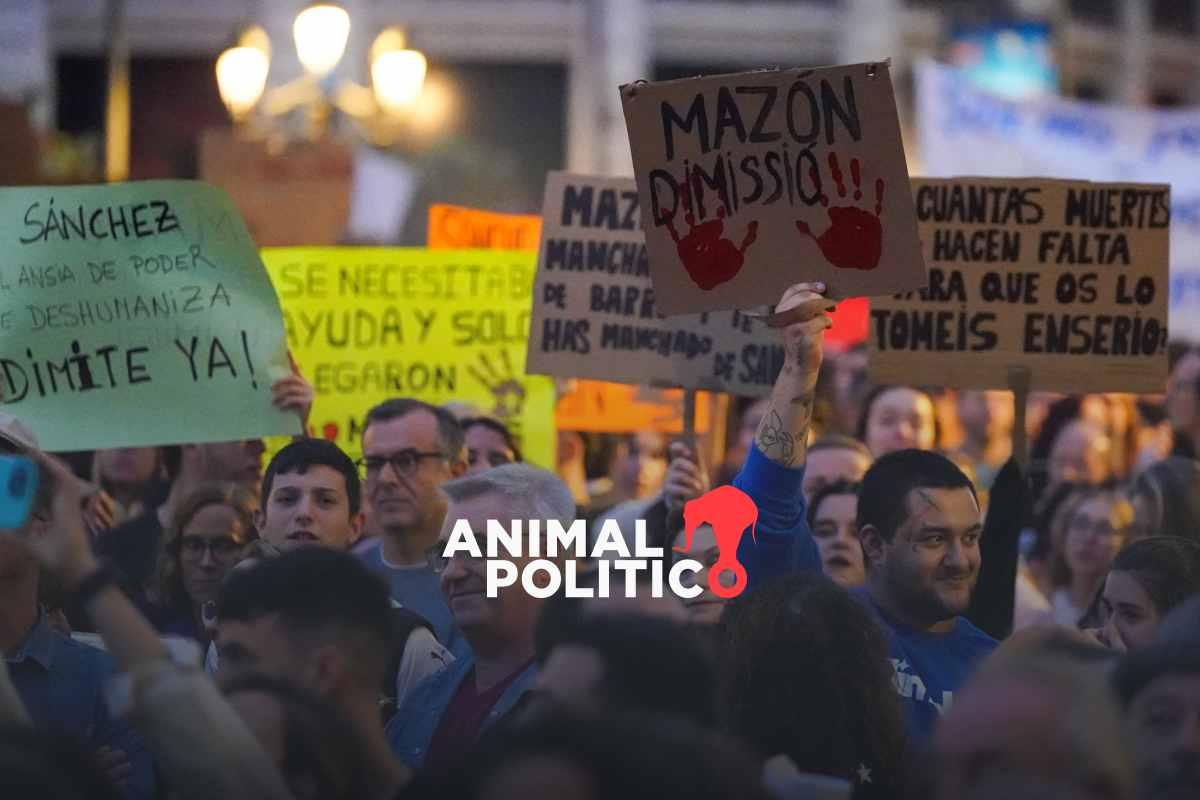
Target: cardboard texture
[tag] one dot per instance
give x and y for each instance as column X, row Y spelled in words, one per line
column 595, row 312
column 142, row 308
column 298, row 197
column 366, row 324
column 591, row 406
column 754, row 181
column 1068, row 279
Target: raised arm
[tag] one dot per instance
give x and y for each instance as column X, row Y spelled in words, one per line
column 207, row 751
column 774, row 469
column 783, row 433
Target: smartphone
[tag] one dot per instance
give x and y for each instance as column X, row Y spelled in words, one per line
column 18, row 486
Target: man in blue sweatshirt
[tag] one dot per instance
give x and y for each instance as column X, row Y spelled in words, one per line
column 920, row 524
column 918, row 519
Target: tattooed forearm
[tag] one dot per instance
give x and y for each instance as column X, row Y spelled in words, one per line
column 776, row 442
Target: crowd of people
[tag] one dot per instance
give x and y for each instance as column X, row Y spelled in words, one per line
column 923, row 616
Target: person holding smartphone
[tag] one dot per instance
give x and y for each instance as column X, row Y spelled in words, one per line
column 60, row 681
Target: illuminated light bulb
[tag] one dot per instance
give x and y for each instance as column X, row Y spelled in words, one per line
column 321, row 31
column 241, row 78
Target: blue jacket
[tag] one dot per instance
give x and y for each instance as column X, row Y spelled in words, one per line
column 61, row 682
column 784, row 542
column 411, row 729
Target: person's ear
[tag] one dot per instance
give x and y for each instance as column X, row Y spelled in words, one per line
column 327, row 671
column 873, row 544
column 357, row 521
column 260, row 520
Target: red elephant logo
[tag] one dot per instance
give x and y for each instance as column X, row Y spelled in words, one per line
column 729, row 511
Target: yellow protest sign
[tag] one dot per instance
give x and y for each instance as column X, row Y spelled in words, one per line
column 369, row 323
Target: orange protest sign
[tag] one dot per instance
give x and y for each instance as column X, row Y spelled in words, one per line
column 602, row 407
column 470, row 228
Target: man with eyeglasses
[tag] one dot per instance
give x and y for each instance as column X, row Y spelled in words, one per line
column 410, row 449
column 445, row 715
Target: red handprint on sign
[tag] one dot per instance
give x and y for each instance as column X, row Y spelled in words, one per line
column 709, row 259
column 854, row 238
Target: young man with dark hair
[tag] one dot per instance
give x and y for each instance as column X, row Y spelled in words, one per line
column 920, row 525
column 311, row 495
column 321, row 620
column 410, row 449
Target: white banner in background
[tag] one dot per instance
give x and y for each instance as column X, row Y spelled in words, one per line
column 968, row 131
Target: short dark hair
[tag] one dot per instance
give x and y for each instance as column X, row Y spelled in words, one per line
column 883, row 498
column 497, row 427
column 838, row 441
column 1142, row 667
column 301, row 454
column 1166, row 567
column 450, row 432
column 642, row 656
column 829, row 490
column 618, row 755
column 317, row 591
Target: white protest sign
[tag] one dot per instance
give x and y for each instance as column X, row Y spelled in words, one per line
column 755, row 181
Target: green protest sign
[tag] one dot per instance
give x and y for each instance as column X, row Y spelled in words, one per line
column 136, row 314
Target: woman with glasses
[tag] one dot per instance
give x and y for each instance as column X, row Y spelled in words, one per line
column 1096, row 524
column 206, row 539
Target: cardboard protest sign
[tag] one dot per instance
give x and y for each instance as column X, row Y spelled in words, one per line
column 755, row 181
column 1065, row 278
column 591, row 406
column 464, row 228
column 140, row 309
column 595, row 312
column 367, row 324
column 298, row 197
column 604, row 407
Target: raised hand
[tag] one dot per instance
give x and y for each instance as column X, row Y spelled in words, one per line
column 686, row 478
column 62, row 546
column 783, row 434
column 294, row 393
